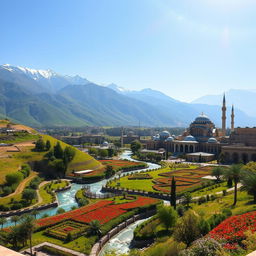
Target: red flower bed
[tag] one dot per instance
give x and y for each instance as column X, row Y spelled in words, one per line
column 232, row 230
column 103, row 211
column 103, row 215
column 69, row 215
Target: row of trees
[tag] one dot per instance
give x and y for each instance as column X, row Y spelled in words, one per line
column 21, row 233
column 102, row 153
column 58, row 160
column 41, row 146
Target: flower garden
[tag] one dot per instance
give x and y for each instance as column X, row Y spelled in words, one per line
column 184, row 179
column 187, row 179
column 232, row 231
column 123, row 164
column 76, row 222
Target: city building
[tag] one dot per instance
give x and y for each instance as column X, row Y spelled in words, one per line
column 203, row 141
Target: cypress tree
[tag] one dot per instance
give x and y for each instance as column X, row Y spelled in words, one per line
column 173, row 193
column 58, row 151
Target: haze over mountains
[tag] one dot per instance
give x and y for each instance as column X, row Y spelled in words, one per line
column 44, row 98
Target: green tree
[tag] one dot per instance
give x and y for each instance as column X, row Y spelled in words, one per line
column 48, row 145
column 29, row 194
column 103, row 153
column 34, row 213
column 95, row 227
column 58, row 151
column 187, row 228
column 234, row 172
column 217, row 172
column 3, row 220
column 13, row 178
column 229, row 183
column 58, row 167
column 167, row 216
column 93, row 151
column 40, row 145
column 69, row 154
column 135, row 146
column 248, row 181
column 60, row 210
column 109, row 171
column 28, row 225
column 221, row 158
column 111, row 152
column 15, row 219
column 173, row 193
column 187, row 199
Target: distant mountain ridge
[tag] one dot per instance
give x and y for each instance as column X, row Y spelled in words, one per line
column 44, row 98
column 242, row 99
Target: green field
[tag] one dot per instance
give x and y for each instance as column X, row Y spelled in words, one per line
column 144, row 184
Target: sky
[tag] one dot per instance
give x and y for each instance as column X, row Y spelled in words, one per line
column 184, row 48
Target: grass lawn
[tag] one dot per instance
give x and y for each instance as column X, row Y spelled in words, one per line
column 145, row 184
column 211, row 189
column 244, row 204
column 46, row 197
column 81, row 161
column 18, row 138
column 81, row 244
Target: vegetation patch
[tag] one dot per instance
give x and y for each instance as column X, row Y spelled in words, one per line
column 67, row 229
column 139, row 176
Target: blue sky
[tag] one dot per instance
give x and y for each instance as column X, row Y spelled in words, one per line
column 183, row 48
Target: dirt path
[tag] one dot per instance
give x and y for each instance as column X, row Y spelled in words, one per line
column 22, row 185
column 39, row 198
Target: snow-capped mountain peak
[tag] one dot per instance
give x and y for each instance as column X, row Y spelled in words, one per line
column 33, row 73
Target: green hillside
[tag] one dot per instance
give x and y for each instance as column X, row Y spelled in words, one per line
column 12, row 161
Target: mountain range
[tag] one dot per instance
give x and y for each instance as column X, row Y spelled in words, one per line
column 42, row 98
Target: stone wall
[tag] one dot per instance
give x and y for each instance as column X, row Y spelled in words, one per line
column 99, row 245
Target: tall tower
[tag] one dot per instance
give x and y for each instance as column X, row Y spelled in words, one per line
column 224, row 116
column 232, row 119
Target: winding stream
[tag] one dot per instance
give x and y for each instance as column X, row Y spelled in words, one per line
column 66, row 199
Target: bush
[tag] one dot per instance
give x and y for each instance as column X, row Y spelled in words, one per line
column 14, row 178
column 187, row 229
column 216, row 219
column 181, row 210
column 204, row 247
column 7, row 190
column 202, row 200
column 227, row 212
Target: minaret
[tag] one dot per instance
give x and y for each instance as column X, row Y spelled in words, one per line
column 224, row 116
column 232, row 119
column 122, row 137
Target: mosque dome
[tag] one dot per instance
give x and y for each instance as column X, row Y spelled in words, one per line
column 164, row 134
column 170, row 138
column 105, row 143
column 157, row 137
column 212, row 140
column 202, row 119
column 189, row 138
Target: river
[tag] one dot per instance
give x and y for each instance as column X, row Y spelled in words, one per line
column 66, row 199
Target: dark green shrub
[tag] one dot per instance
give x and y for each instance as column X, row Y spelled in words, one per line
column 227, row 212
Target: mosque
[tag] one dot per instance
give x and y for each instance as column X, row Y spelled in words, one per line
column 202, row 141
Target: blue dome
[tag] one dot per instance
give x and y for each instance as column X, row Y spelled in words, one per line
column 170, row 138
column 105, row 143
column 189, row 138
column 157, row 137
column 212, row 140
column 202, row 119
column 164, row 134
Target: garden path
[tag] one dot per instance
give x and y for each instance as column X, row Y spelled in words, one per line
column 22, row 185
